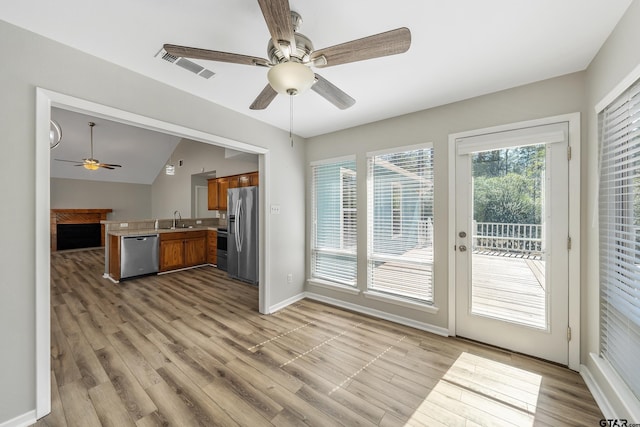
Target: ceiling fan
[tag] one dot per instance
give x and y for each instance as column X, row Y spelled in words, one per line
column 291, row 54
column 91, row 163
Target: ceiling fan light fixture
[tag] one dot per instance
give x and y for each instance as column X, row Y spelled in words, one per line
column 90, row 164
column 290, row 78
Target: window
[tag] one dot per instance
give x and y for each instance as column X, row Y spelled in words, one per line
column 400, row 223
column 619, row 203
column 333, row 247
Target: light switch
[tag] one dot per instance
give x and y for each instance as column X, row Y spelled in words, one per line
column 275, row 209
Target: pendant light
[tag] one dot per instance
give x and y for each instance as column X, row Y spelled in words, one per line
column 55, row 134
column 170, row 169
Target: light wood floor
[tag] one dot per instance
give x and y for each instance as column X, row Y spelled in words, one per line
column 190, row 348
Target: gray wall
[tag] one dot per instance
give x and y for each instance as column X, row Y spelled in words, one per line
column 174, row 192
column 552, row 97
column 128, row 201
column 39, row 62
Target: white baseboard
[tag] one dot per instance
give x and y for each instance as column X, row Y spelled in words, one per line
column 285, row 303
column 21, row 420
column 379, row 314
column 599, row 396
column 611, row 393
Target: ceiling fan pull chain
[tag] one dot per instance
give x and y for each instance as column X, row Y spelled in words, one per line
column 291, row 119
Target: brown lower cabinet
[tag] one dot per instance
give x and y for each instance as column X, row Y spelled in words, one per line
column 212, row 247
column 114, row 257
column 182, row 249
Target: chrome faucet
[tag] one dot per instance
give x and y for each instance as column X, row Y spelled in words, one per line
column 175, row 223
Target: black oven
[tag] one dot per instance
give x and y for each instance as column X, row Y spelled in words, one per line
column 222, row 249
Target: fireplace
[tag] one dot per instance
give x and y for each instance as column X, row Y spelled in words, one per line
column 76, row 236
column 77, row 228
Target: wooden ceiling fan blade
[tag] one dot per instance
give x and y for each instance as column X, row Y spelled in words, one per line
column 70, row 161
column 214, row 55
column 332, row 93
column 264, row 98
column 384, row 44
column 277, row 15
column 105, row 166
column 110, row 165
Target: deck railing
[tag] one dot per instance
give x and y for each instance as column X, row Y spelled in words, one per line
column 512, row 239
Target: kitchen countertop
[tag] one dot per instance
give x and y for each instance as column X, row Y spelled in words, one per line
column 147, row 231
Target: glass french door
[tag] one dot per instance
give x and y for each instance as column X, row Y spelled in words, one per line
column 512, row 240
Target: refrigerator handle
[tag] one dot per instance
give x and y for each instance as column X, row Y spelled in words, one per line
column 240, row 227
column 237, row 224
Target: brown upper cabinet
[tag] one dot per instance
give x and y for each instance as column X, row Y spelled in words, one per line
column 212, row 194
column 217, row 198
column 223, row 186
column 253, row 179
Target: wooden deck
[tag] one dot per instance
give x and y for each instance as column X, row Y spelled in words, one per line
column 505, row 287
column 510, row 289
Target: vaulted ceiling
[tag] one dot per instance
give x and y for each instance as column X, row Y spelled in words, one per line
column 459, row 49
column 142, row 153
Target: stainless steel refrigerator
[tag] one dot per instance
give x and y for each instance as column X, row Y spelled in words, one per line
column 242, row 243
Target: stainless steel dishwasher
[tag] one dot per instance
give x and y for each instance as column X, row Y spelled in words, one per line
column 139, row 255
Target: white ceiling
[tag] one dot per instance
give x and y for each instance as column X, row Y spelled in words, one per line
column 460, row 49
column 141, row 153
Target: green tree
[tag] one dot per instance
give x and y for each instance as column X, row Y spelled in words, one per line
column 505, row 199
column 508, row 185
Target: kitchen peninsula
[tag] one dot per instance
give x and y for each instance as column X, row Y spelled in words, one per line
column 134, row 248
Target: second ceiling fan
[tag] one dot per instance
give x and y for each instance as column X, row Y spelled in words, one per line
column 91, row 163
column 291, row 54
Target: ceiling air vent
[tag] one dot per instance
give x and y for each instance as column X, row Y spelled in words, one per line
column 186, row 64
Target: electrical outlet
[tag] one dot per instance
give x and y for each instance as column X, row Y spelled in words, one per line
column 124, row 224
column 289, row 278
column 275, row 209
column 198, row 221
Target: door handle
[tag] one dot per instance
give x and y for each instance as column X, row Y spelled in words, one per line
column 462, row 248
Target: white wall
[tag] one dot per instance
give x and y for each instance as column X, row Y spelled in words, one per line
column 552, row 97
column 173, row 192
column 128, row 201
column 615, row 60
column 39, row 62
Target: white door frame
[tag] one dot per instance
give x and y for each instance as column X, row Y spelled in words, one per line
column 573, row 119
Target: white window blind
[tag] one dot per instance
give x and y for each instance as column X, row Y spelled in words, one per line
column 333, row 249
column 619, row 207
column 400, row 223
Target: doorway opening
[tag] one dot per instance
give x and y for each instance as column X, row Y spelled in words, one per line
column 45, row 100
